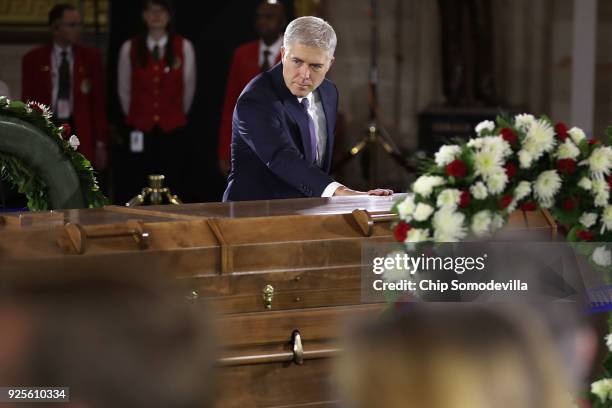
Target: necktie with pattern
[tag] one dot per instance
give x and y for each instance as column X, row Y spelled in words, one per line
column 311, row 129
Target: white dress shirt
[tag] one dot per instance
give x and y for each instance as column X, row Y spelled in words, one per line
column 274, row 51
column 316, row 112
column 63, row 109
column 125, row 71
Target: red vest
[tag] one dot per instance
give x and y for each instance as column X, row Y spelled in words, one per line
column 156, row 94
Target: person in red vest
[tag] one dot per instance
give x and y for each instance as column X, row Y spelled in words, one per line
column 69, row 77
column 249, row 60
column 156, row 85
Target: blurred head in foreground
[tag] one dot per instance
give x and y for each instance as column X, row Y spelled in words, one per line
column 452, row 356
column 115, row 343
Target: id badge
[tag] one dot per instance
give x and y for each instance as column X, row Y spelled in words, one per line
column 136, row 141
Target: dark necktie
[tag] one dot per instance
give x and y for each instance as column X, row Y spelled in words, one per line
column 156, row 53
column 64, row 77
column 266, row 61
column 311, row 129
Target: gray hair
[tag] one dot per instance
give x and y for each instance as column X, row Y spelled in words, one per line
column 312, row 32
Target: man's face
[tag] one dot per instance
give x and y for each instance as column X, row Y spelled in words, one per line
column 304, row 68
column 67, row 30
column 156, row 17
column 269, row 21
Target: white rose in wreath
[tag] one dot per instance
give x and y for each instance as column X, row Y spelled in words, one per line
column 74, row 142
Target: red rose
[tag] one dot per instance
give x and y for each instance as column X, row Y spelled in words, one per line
column 505, row 201
column 465, row 199
column 456, row 168
column 36, row 107
column 593, row 141
column 561, row 130
column 585, row 235
column 509, row 136
column 610, row 182
column 566, row 166
column 568, row 204
column 66, row 130
column 528, row 206
column 401, row 230
column 511, row 170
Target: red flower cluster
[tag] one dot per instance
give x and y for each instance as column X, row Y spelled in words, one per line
column 569, row 204
column 66, row 130
column 509, row 136
column 465, row 199
column 566, row 166
column 36, row 107
column 528, row 206
column 457, row 168
column 505, row 201
column 401, row 231
column 561, row 130
column 511, row 170
column 585, row 235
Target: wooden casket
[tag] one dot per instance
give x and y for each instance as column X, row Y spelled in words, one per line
column 284, row 275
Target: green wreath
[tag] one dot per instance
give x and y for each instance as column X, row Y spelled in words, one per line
column 40, row 159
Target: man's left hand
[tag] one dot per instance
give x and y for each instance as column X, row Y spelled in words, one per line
column 380, row 192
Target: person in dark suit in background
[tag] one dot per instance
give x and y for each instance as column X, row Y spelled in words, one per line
column 249, row 60
column 284, row 122
column 69, row 78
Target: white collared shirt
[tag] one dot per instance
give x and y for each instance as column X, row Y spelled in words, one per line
column 274, row 51
column 316, row 112
column 56, row 60
column 125, row 71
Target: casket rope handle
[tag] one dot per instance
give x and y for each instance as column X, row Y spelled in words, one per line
column 79, row 235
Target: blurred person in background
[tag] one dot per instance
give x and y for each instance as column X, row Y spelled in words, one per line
column 115, row 342
column 249, row 60
column 156, row 86
column 453, row 356
column 69, row 77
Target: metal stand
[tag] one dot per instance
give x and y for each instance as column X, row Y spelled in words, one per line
column 375, row 132
column 155, row 194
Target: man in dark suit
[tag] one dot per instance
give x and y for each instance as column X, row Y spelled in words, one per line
column 68, row 77
column 284, row 121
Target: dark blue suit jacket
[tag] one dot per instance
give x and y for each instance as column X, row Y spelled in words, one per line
column 271, row 152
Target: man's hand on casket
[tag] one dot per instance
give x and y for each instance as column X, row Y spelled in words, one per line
column 345, row 191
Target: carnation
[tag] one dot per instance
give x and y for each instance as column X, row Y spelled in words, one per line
column 524, row 122
column 485, row 125
column 74, row 142
column 496, row 145
column 406, row 207
column 522, row 190
column 481, row 222
column 602, row 388
column 585, row 183
column 602, row 199
column 424, row 185
column 577, row 135
column 525, row 159
column 602, row 257
column 588, row 219
column 606, row 219
column 497, row 222
column 448, row 225
column 418, row 235
column 600, row 161
column 449, row 198
column 609, row 341
column 422, row 212
column 567, row 150
column 601, row 192
column 546, row 187
column 497, row 182
column 479, row 190
column 447, row 154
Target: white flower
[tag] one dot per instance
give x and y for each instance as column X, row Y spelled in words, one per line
column 496, row 145
column 424, row 185
column 522, row 190
column 395, row 274
column 602, row 388
column 423, row 211
column 418, row 235
column 406, row 208
column 448, row 225
column 487, row 163
column 609, row 341
column 546, row 187
column 576, row 134
column 606, row 219
column 602, row 199
column 447, row 154
column 602, row 257
column 42, row 108
column 600, row 161
column 74, row 142
column 449, row 197
column 485, row 125
column 524, row 121
column 585, row 183
column 540, row 138
column 588, row 219
column 479, row 191
column 497, row 222
column 601, row 192
column 567, row 150
column 497, row 182
column 525, row 159
column 481, row 222
column 476, row 143
column 4, row 100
